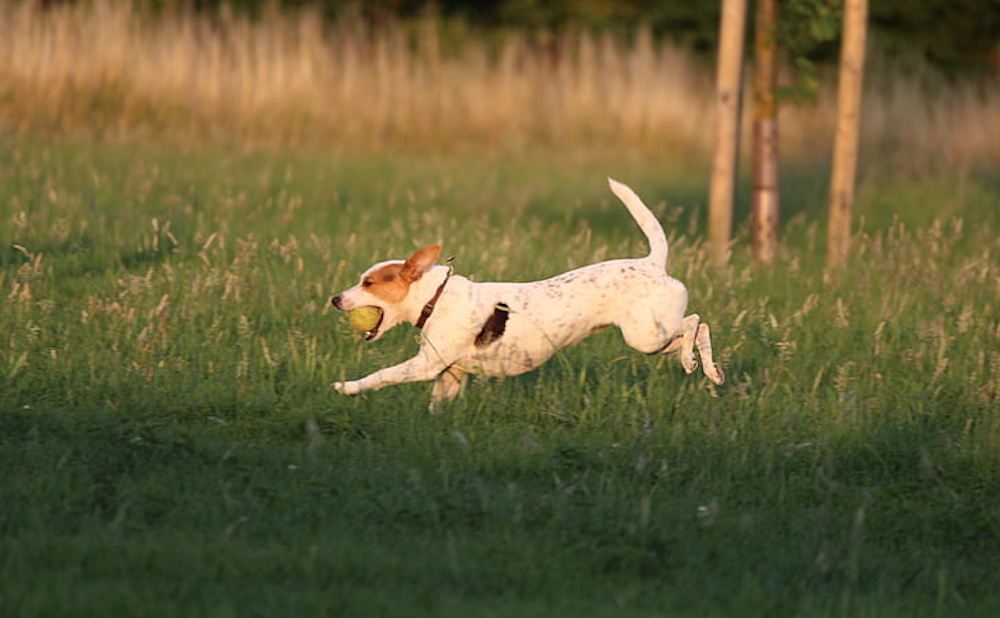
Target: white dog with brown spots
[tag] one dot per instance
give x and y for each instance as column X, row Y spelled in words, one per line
column 506, row 329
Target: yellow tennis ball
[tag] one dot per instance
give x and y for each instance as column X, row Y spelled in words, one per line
column 364, row 318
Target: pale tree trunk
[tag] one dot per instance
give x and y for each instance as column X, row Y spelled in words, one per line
column 845, row 145
column 764, row 199
column 722, row 192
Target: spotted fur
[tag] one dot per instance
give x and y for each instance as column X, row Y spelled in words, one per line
column 505, row 329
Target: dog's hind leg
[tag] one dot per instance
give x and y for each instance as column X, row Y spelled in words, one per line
column 446, row 387
column 704, row 341
column 683, row 342
column 694, row 334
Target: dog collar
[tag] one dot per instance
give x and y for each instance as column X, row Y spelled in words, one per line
column 428, row 309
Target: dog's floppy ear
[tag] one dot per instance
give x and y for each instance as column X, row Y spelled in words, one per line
column 420, row 262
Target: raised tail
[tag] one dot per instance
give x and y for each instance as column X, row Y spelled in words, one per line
column 647, row 222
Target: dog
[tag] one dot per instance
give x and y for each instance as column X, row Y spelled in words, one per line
column 506, row 329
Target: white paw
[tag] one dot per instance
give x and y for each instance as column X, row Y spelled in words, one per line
column 716, row 376
column 347, row 388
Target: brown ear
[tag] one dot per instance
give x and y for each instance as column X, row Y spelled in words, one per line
column 420, row 262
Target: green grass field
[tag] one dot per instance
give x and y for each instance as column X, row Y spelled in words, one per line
column 169, row 444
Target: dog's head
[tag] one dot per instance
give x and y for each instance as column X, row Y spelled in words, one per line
column 390, row 288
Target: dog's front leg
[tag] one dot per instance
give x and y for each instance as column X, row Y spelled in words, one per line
column 417, row 369
column 446, row 387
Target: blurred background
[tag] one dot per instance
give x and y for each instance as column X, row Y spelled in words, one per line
column 504, row 75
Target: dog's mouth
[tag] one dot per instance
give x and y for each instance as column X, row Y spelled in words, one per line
column 369, row 335
column 366, row 319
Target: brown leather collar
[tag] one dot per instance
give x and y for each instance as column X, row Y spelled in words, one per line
column 428, row 309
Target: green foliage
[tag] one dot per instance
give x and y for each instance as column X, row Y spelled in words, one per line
column 955, row 35
column 807, row 29
column 169, row 445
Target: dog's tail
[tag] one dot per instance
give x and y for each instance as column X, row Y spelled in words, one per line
column 647, row 222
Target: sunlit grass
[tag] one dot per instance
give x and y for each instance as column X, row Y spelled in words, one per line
column 170, row 444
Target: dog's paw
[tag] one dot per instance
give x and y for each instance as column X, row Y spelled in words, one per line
column 717, row 376
column 347, row 388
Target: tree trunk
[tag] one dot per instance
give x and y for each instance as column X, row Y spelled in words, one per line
column 725, row 164
column 764, row 199
column 845, row 145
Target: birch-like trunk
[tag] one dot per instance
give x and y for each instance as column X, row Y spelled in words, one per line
column 845, row 145
column 722, row 192
column 764, row 215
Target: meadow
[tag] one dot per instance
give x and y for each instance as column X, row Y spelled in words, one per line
column 169, row 444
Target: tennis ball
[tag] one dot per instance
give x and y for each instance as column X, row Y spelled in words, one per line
column 364, row 318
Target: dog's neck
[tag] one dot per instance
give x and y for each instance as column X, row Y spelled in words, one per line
column 428, row 308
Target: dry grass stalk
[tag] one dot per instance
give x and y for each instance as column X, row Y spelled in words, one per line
column 105, row 68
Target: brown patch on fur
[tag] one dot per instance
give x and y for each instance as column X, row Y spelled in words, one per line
column 391, row 283
column 386, row 283
column 494, row 327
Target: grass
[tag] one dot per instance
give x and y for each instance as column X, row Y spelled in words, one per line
column 169, row 445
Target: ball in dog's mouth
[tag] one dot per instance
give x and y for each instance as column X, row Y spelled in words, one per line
column 365, row 319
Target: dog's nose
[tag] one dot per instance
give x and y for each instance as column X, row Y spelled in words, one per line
column 336, row 301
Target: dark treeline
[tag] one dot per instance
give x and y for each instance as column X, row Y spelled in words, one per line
column 953, row 35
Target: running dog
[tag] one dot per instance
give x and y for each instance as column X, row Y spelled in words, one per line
column 506, row 329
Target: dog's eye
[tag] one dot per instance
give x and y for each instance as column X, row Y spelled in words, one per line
column 366, row 284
